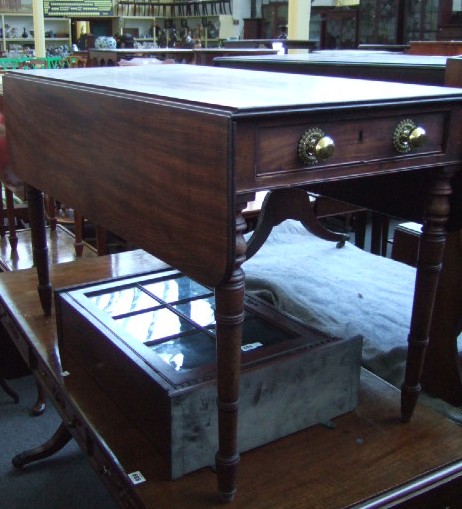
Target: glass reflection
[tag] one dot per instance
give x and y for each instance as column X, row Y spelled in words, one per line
column 176, row 320
column 201, row 311
column 154, row 325
column 122, row 301
column 173, row 290
column 188, row 352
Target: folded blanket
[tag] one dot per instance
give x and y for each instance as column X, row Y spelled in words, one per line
column 343, row 292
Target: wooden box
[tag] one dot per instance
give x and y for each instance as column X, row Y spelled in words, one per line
column 149, row 342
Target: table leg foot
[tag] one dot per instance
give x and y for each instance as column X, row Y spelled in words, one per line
column 226, row 469
column 55, row 444
column 409, row 397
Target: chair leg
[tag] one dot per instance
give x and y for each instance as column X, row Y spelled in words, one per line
column 40, row 405
column 50, row 207
column 2, row 213
column 101, row 241
column 13, row 238
column 78, row 231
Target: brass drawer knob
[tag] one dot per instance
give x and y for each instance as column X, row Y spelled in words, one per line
column 407, row 135
column 315, row 146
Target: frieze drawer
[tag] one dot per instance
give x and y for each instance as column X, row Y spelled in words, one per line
column 298, row 147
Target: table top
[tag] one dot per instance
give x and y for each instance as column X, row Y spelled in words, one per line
column 286, row 43
column 356, row 57
column 240, row 91
column 376, row 65
column 135, row 51
column 155, row 51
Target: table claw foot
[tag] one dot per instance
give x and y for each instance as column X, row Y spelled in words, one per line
column 55, row 444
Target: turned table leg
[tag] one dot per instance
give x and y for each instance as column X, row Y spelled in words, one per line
column 40, row 404
column 39, row 246
column 55, row 444
column 229, row 300
column 13, row 238
column 428, row 268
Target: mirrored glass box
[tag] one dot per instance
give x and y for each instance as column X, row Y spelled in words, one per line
column 149, row 342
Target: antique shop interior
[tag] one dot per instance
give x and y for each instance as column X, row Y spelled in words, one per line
column 232, row 280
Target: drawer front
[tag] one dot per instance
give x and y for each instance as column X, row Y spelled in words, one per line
column 269, row 151
column 356, row 141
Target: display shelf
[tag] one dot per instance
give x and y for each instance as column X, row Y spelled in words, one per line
column 208, row 31
column 17, row 32
column 141, row 27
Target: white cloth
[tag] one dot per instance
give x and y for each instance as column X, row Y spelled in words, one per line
column 343, row 292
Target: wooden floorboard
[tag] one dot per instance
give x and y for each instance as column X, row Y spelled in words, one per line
column 367, row 454
column 61, row 246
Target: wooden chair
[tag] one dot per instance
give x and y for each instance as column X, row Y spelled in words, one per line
column 56, row 213
column 73, row 61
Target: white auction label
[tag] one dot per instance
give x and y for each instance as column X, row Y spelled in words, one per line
column 251, row 346
column 136, row 477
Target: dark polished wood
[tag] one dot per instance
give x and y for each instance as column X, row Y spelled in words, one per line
column 287, row 44
column 252, row 122
column 55, row 444
column 197, row 56
column 447, row 48
column 206, row 56
column 364, row 64
column 410, row 466
column 111, row 57
column 288, row 204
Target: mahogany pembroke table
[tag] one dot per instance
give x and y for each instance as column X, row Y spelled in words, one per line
column 148, row 152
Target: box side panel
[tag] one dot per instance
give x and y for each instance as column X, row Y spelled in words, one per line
column 141, row 394
column 277, row 398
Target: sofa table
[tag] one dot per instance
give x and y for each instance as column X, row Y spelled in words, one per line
column 144, row 150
